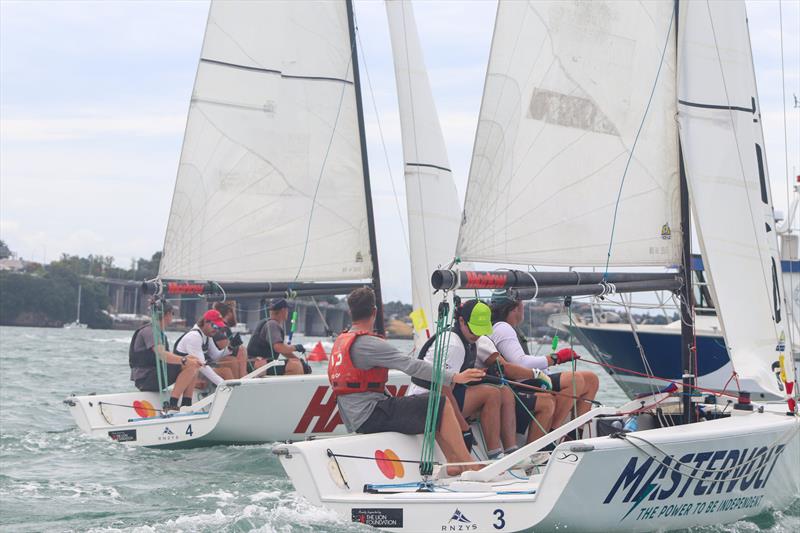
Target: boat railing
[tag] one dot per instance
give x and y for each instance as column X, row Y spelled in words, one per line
column 496, row 468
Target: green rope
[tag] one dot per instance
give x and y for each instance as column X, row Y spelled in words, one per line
column 574, row 365
column 156, row 313
column 440, row 348
column 530, row 414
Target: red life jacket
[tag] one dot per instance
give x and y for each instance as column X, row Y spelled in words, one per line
column 345, row 378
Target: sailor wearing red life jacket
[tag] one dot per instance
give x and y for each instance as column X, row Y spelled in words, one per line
column 358, row 370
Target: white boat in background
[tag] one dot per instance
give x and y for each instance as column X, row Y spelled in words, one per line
column 77, row 324
column 275, row 124
column 579, row 95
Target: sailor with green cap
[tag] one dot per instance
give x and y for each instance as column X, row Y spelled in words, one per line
column 473, row 320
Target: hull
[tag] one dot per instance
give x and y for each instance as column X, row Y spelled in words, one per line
column 246, row 411
column 616, row 345
column 734, row 467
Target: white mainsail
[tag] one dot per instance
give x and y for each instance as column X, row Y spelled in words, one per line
column 723, row 148
column 566, row 89
column 270, row 184
column 431, row 196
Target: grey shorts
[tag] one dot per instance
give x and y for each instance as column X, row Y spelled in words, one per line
column 404, row 415
column 149, row 382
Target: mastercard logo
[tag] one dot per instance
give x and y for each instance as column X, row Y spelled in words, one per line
column 144, row 408
column 389, row 464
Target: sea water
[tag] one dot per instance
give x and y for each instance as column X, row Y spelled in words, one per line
column 53, row 478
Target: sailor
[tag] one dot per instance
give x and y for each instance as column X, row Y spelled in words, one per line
column 181, row 370
column 195, row 342
column 523, row 410
column 473, row 319
column 267, row 343
column 507, row 314
column 226, row 349
column 358, row 370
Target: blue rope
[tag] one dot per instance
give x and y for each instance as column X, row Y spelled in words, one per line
column 636, row 140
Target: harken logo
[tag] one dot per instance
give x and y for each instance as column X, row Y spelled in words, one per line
column 459, row 522
column 167, row 431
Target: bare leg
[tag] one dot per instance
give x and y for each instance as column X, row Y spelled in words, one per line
column 545, row 406
column 293, row 367
column 564, row 397
column 508, row 418
column 231, row 364
column 462, row 423
column 241, row 356
column 591, row 384
column 451, row 442
column 184, row 384
column 224, row 373
column 485, row 399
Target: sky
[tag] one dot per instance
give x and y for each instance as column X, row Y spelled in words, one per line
column 94, row 96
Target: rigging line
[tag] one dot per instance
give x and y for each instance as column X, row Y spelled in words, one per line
column 790, row 298
column 322, row 167
column 636, row 140
column 383, row 140
column 739, row 154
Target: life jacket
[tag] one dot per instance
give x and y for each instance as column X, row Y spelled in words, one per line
column 143, row 358
column 259, row 346
column 176, row 351
column 470, row 354
column 345, row 378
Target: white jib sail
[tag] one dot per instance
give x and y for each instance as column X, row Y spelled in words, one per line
column 720, row 128
column 270, row 184
column 566, row 89
column 431, row 197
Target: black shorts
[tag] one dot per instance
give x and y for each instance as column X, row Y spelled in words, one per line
column 459, row 392
column 556, row 380
column 524, row 407
column 405, row 414
column 149, row 383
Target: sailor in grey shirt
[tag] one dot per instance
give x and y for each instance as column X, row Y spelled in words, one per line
column 368, row 352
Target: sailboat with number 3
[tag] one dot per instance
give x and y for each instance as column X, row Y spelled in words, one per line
column 577, row 132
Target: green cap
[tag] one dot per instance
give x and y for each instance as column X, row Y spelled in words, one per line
column 478, row 317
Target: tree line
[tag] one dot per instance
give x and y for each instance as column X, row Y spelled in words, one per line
column 47, row 295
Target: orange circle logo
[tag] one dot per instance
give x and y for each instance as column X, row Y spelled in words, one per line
column 389, row 464
column 144, row 408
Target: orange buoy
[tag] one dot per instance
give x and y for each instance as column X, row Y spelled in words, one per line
column 318, row 353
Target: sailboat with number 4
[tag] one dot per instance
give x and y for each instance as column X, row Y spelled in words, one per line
column 577, row 133
column 273, row 185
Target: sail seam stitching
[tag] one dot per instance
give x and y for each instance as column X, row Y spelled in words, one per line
column 273, row 71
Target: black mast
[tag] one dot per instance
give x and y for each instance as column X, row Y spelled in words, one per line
column 686, row 296
column 373, row 243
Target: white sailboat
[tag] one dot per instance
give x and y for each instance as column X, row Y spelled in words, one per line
column 272, row 186
column 578, row 95
column 77, row 324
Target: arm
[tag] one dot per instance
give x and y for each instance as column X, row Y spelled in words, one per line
column 368, row 352
column 174, row 359
column 507, row 344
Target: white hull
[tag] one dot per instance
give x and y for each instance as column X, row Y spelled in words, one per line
column 246, row 411
column 75, row 325
column 599, row 484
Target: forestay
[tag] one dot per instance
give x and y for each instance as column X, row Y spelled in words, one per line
column 431, row 197
column 726, row 169
column 566, row 89
column 270, row 183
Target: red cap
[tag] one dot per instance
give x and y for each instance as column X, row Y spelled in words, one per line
column 213, row 316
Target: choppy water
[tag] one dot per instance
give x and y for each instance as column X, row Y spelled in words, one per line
column 53, row 478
